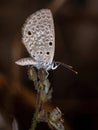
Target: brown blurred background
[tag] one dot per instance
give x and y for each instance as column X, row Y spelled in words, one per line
column 76, row 28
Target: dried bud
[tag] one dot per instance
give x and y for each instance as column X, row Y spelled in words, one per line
column 42, row 74
column 55, row 119
column 32, row 74
column 49, row 95
column 47, row 85
column 39, row 86
column 43, row 96
column 56, row 114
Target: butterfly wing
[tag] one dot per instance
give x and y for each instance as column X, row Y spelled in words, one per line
column 39, row 37
column 26, row 61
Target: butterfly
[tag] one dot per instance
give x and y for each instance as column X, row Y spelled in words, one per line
column 38, row 37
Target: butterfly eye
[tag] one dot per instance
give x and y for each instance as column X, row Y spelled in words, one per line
column 50, row 43
column 29, row 32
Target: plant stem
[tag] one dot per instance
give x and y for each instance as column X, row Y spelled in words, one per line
column 38, row 107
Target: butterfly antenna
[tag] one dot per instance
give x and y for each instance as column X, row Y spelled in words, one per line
column 66, row 66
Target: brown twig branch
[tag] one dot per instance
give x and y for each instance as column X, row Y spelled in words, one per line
column 26, row 96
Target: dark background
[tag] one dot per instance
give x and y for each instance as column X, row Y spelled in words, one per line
column 76, row 29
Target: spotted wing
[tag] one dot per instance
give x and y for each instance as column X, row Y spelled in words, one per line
column 38, row 36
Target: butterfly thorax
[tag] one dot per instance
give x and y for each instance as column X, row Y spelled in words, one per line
column 45, row 65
